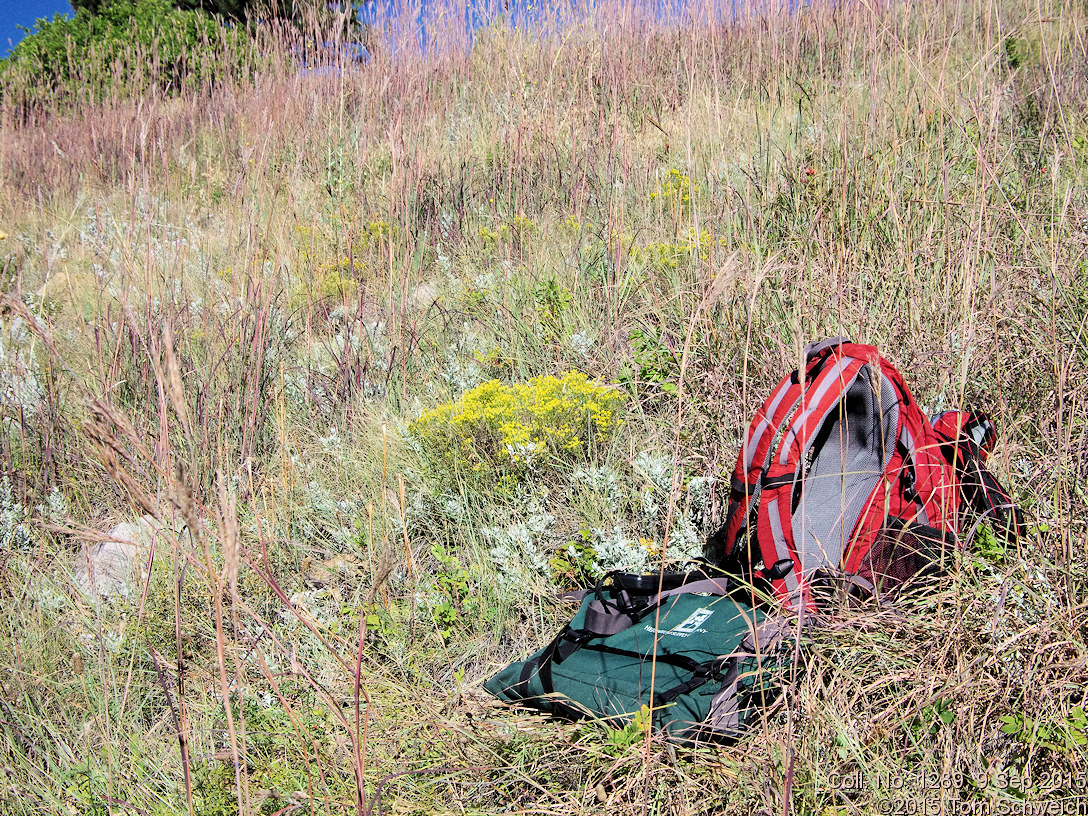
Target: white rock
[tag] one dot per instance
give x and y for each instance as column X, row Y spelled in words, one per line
column 108, row 569
column 424, row 296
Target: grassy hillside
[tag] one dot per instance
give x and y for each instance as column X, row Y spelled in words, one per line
column 240, row 309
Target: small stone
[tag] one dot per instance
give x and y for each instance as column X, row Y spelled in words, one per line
column 424, row 296
column 107, row 569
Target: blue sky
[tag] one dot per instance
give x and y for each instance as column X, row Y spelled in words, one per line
column 15, row 13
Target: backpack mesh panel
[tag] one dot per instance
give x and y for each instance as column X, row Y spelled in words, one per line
column 848, row 456
column 903, row 551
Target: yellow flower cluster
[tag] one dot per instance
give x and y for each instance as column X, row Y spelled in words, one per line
column 675, row 188
column 347, row 265
column 668, row 256
column 336, row 283
column 507, row 428
column 520, row 228
column 490, row 238
column 375, row 233
column 525, row 227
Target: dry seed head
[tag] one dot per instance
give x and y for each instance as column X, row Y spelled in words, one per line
column 182, row 497
column 394, row 502
column 111, row 453
column 722, row 280
column 228, row 529
column 173, row 379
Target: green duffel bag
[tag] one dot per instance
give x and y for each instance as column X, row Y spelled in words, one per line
column 702, row 662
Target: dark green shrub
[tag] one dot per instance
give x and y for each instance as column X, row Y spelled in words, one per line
column 124, row 49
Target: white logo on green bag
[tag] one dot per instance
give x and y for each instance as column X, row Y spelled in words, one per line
column 693, row 622
column 688, row 626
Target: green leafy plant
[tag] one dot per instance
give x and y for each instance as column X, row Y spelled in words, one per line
column 377, row 621
column 927, row 724
column 934, row 717
column 451, row 593
column 125, row 48
column 653, row 364
column 1067, row 733
column 988, row 548
column 620, row 740
column 576, row 563
column 552, row 299
column 1017, row 52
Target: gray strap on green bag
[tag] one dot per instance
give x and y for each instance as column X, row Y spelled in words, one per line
column 725, row 714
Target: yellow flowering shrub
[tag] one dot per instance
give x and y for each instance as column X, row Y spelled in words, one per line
column 502, row 430
column 490, row 238
column 375, row 233
column 331, row 288
column 337, row 283
column 524, row 227
column 517, row 231
column 675, row 190
column 669, row 256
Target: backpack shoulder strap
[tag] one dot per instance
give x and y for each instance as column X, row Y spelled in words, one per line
column 756, row 541
column 783, row 533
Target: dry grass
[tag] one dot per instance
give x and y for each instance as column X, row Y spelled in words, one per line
column 223, row 308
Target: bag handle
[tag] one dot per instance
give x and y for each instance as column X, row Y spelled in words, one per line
column 967, row 438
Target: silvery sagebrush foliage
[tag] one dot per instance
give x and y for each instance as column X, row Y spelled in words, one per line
column 604, row 481
column 20, row 389
column 614, row 549
column 14, row 527
column 656, row 467
column 581, row 343
column 685, row 541
column 518, row 547
column 16, row 519
column 461, row 375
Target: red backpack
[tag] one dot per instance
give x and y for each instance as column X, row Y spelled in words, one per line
column 842, row 480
